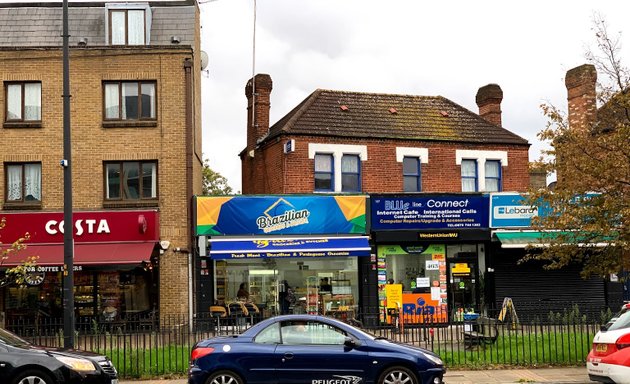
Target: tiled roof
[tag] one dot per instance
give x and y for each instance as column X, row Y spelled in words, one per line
column 373, row 115
column 42, row 26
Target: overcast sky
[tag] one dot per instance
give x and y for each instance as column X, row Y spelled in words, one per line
column 429, row 48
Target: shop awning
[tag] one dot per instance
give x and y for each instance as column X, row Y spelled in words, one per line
column 85, row 254
column 252, row 248
column 522, row 239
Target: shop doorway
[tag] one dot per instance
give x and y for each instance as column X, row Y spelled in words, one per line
column 463, row 288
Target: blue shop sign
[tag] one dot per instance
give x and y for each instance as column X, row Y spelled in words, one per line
column 223, row 248
column 430, row 212
column 510, row 210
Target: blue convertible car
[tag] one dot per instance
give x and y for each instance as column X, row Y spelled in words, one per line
column 296, row 349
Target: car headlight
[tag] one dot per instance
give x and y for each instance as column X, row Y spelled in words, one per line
column 81, row 365
column 434, row 359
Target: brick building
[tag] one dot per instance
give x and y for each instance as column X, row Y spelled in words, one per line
column 377, row 141
column 136, row 152
column 427, row 165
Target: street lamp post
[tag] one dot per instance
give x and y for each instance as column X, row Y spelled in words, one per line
column 66, row 163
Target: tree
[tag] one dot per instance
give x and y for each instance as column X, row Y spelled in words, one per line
column 213, row 182
column 18, row 274
column 590, row 203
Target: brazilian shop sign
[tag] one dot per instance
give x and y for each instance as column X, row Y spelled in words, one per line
column 280, row 214
column 429, row 212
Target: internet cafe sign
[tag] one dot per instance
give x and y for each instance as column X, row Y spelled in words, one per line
column 97, row 226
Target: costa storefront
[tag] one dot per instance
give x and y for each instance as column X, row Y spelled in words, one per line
column 314, row 243
column 431, row 254
column 115, row 264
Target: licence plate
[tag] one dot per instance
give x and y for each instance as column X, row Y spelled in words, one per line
column 601, row 348
column 114, row 381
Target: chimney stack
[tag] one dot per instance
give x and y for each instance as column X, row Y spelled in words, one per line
column 489, row 100
column 258, row 96
column 582, row 97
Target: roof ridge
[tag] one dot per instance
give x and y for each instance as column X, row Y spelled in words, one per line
column 378, row 93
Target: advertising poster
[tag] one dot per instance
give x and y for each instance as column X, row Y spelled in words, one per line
column 282, row 214
column 420, row 272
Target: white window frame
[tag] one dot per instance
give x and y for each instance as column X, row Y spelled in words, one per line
column 422, row 154
column 481, row 157
column 337, row 151
column 129, row 7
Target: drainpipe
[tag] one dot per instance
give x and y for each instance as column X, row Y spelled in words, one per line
column 188, row 84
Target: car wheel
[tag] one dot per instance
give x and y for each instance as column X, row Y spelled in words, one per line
column 397, row 375
column 33, row 377
column 224, row 377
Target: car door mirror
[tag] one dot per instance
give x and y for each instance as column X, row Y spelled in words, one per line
column 349, row 342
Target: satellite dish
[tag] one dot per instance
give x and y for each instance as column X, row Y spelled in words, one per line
column 204, row 60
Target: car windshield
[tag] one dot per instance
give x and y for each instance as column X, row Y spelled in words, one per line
column 623, row 321
column 9, row 338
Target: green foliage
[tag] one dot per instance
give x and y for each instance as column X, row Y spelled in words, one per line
column 553, row 345
column 591, row 161
column 567, row 316
column 605, row 316
column 213, row 182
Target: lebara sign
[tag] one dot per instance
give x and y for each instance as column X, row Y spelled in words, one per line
column 509, row 210
column 429, row 212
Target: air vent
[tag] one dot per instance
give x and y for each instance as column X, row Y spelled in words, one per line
column 393, row 111
column 444, row 113
column 344, row 108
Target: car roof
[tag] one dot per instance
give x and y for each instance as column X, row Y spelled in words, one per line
column 263, row 324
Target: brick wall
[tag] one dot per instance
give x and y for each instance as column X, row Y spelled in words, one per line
column 381, row 173
column 92, row 143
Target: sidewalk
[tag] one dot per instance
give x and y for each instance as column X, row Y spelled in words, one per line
column 498, row 376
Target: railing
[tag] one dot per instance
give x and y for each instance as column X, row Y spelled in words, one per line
column 161, row 345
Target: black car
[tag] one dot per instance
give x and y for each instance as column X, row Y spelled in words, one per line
column 24, row 363
column 309, row 349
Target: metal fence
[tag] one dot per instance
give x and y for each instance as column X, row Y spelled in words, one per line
column 160, row 346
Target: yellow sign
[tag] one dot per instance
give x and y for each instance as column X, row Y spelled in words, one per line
column 460, row 268
column 394, row 295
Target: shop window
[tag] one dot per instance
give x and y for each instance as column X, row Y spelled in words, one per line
column 418, row 273
column 131, row 180
column 322, row 285
column 23, row 183
column 129, row 101
column 23, row 102
column 411, row 174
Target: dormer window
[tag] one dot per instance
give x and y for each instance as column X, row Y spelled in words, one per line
column 128, row 24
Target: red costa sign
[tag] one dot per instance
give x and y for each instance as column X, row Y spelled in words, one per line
column 97, row 226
